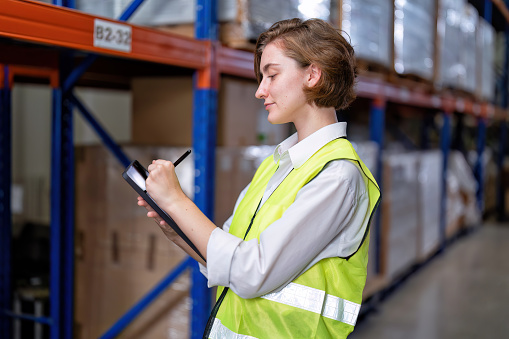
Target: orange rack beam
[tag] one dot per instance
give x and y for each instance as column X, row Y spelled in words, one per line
column 57, row 26
column 235, row 62
column 376, row 88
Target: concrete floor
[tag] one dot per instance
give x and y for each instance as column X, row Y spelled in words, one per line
column 461, row 293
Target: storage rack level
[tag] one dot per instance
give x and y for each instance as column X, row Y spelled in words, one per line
column 44, row 43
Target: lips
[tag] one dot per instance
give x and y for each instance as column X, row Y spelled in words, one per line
column 267, row 105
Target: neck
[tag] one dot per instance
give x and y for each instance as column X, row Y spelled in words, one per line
column 314, row 120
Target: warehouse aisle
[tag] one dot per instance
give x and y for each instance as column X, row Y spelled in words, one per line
column 463, row 293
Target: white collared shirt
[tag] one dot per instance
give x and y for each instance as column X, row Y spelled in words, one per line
column 327, row 219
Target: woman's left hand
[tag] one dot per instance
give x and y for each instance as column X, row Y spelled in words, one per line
column 162, row 183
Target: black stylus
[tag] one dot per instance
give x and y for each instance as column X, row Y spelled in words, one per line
column 182, row 157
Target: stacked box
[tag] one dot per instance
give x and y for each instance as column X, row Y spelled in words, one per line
column 429, row 193
column 399, row 213
column 163, row 113
column 414, row 36
column 486, row 53
column 368, row 152
column 367, row 24
column 257, row 16
column 156, row 12
column 468, row 51
column 120, row 253
column 470, row 213
column 449, row 43
column 235, row 167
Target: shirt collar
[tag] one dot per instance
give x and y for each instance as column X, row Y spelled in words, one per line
column 301, row 151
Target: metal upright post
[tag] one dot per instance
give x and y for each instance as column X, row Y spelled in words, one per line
column 67, row 212
column 503, row 132
column 56, row 223
column 481, row 134
column 445, row 142
column 479, row 166
column 377, row 131
column 5, row 201
column 204, row 143
column 62, row 214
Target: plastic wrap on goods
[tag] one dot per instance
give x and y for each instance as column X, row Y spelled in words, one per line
column 449, row 37
column 486, row 48
column 469, row 23
column 156, row 12
column 414, row 27
column 259, row 15
column 368, row 24
column 400, row 205
column 368, row 152
column 429, row 190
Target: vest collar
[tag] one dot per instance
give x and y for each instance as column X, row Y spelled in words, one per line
column 300, row 152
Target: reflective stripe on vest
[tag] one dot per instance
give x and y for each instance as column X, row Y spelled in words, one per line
column 219, row 331
column 317, row 301
column 303, row 297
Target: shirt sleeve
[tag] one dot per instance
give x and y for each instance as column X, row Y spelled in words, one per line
column 226, row 228
column 328, row 218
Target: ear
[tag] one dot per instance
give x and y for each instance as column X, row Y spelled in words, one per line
column 313, row 75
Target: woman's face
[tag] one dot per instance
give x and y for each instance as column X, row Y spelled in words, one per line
column 282, row 85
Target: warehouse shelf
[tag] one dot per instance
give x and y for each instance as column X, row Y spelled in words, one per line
column 35, row 37
column 42, row 23
column 240, row 63
column 49, row 44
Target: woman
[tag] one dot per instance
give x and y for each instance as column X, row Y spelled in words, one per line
column 291, row 261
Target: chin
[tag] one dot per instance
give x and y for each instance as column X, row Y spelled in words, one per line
column 274, row 120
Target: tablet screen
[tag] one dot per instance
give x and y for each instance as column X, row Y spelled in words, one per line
column 138, row 174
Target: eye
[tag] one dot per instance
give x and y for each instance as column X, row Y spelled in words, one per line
column 272, row 76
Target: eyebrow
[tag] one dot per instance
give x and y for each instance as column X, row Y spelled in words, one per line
column 267, row 66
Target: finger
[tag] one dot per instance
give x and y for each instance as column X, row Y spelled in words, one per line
column 152, row 214
column 161, row 162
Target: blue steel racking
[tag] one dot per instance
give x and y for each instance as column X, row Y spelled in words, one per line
column 62, row 184
column 217, row 60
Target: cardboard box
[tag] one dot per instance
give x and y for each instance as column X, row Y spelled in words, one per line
column 121, row 254
column 163, row 113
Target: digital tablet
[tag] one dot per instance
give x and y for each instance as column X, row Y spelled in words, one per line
column 135, row 174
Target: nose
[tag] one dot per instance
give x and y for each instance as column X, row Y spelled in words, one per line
column 261, row 92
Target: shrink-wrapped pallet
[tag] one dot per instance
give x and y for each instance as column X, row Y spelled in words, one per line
column 368, row 24
column 468, row 51
column 399, row 213
column 414, row 31
column 469, row 214
column 368, row 152
column 235, row 167
column 486, row 53
column 258, row 15
column 449, row 43
column 156, row 12
column 429, row 193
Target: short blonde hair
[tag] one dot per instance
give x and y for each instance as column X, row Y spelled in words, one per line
column 315, row 41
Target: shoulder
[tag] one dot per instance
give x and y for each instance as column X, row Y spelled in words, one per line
column 343, row 168
column 342, row 173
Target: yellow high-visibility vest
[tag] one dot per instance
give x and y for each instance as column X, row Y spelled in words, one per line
column 324, row 301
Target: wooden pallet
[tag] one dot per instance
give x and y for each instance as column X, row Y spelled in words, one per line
column 412, row 81
column 232, row 35
column 372, row 69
